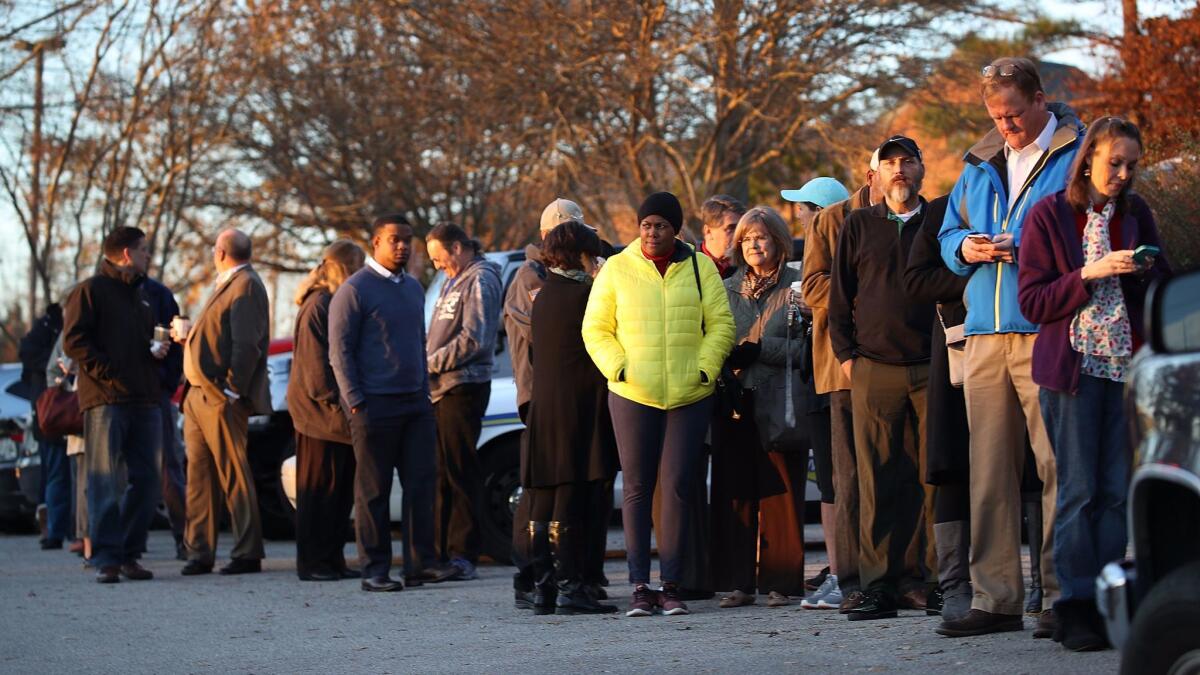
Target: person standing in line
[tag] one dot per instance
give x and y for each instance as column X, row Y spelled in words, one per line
column 569, row 450
column 719, row 216
column 820, row 243
column 661, row 374
column 108, row 331
column 1025, row 158
column 811, row 199
column 460, row 351
column 35, row 351
column 882, row 339
column 170, row 371
column 758, row 490
column 225, row 364
column 325, row 465
column 1082, row 281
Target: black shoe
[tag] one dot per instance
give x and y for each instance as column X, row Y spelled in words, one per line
column 382, row 584
column 1078, row 633
column 413, row 581
column 242, row 566
column 522, row 599
column 814, row 583
column 436, row 574
column 596, row 591
column 573, row 599
column 133, row 571
column 850, row 601
column 933, row 602
column 180, row 551
column 344, row 572
column 51, row 544
column 195, row 567
column 1047, row 626
column 109, row 574
column 319, row 575
column 875, row 605
column 979, row 622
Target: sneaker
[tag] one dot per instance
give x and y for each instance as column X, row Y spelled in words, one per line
column 643, row 601
column 828, row 596
column 814, row 583
column 670, row 602
column 466, row 570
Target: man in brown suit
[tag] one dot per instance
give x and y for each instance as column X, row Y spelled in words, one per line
column 225, row 363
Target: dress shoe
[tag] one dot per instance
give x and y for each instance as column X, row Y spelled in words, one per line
column 737, row 599
column 195, row 567
column 133, row 571
column 242, row 566
column 347, row 573
column 1077, row 629
column 596, row 591
column 933, row 601
column 979, row 622
column 777, row 599
column 383, row 584
column 913, row 598
column 413, row 581
column 1047, row 625
column 108, row 574
column 522, row 599
column 875, row 605
column 852, row 600
column 180, row 551
column 319, row 575
column 435, row 574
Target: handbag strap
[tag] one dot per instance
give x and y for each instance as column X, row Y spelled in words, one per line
column 699, row 289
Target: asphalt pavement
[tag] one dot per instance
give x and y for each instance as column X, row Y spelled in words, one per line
column 55, row 618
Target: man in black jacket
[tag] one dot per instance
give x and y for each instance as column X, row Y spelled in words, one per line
column 108, row 330
column 881, row 337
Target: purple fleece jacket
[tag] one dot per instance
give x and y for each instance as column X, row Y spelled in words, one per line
column 1051, row 289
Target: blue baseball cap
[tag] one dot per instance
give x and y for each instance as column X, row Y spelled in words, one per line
column 822, row 191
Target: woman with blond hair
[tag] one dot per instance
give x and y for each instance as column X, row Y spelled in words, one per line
column 324, row 456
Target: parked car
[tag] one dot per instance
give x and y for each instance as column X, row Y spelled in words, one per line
column 16, row 509
column 1151, row 603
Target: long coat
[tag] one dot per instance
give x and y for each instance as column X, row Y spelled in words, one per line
column 312, row 392
column 569, row 436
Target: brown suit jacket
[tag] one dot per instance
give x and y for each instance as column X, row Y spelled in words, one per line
column 820, row 243
column 227, row 348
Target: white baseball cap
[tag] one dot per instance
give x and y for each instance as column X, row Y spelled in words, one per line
column 560, row 211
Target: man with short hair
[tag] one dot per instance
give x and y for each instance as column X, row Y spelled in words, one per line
column 460, row 351
column 882, row 339
column 225, row 365
column 108, row 330
column 1025, row 158
column 377, row 351
column 719, row 216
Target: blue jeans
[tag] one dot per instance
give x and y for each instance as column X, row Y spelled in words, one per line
column 658, row 445
column 121, row 444
column 56, row 472
column 1090, row 439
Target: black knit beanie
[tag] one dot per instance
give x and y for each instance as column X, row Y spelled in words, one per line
column 662, row 204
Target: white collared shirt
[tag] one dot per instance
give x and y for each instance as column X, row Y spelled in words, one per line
column 384, row 272
column 228, row 274
column 1021, row 162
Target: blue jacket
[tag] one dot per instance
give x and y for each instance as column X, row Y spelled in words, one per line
column 979, row 203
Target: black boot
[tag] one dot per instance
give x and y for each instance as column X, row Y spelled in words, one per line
column 544, row 591
column 566, row 547
column 521, row 554
column 1033, row 531
column 1078, row 629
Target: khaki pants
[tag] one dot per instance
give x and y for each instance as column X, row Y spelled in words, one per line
column 214, row 432
column 1002, row 402
column 889, row 430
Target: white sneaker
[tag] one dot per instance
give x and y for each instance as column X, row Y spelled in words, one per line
column 827, row 596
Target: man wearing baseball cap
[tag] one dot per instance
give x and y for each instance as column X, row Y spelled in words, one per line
column 882, row 339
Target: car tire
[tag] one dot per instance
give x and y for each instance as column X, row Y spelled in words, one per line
column 1164, row 637
column 501, row 465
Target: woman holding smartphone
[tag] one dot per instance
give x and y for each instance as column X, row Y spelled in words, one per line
column 1080, row 279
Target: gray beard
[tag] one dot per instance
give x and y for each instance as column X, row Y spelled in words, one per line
column 900, row 192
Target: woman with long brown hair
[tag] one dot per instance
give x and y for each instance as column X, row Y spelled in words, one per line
column 324, row 456
column 1087, row 255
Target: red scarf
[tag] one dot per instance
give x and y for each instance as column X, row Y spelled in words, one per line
column 662, row 263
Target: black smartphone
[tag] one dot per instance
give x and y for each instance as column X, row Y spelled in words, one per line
column 1142, row 253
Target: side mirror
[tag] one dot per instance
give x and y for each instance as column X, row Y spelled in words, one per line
column 1173, row 319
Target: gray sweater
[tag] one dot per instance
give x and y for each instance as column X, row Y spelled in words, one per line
column 462, row 333
column 377, row 337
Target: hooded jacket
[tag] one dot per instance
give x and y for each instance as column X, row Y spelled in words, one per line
column 107, row 327
column 462, row 333
column 656, row 338
column 979, row 203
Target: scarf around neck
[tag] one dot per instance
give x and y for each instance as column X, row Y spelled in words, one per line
column 1101, row 331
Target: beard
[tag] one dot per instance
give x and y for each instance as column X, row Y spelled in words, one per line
column 901, row 192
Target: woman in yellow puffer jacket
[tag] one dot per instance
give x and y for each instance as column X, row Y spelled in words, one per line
column 659, row 328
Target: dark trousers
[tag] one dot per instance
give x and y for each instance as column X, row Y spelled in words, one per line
column 596, row 519
column 459, row 477
column 383, row 444
column 56, row 474
column 820, row 425
column 757, row 512
column 658, row 446
column 889, row 431
column 123, row 483
column 79, row 489
column 845, row 488
column 174, row 494
column 324, row 495
column 1091, row 450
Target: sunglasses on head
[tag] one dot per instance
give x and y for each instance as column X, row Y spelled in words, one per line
column 1003, row 70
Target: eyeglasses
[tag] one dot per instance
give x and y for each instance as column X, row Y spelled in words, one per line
column 1003, row 70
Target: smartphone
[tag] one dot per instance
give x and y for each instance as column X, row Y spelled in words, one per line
column 979, row 238
column 1142, row 253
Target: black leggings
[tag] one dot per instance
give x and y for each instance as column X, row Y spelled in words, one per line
column 566, row 503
